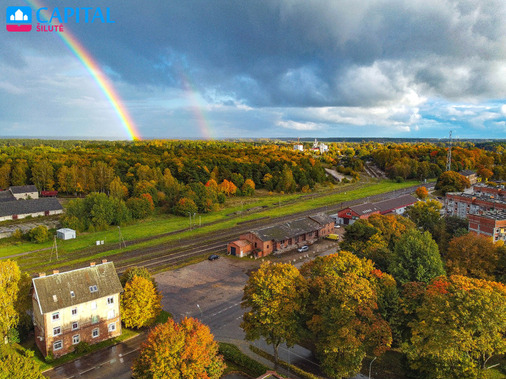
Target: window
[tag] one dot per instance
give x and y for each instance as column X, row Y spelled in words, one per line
column 56, row 316
column 94, row 305
column 58, row 345
column 111, row 314
column 74, row 311
column 110, row 300
column 75, row 325
column 94, row 319
column 112, row 327
column 56, row 331
column 76, row 339
column 95, row 333
column 72, row 294
column 93, row 289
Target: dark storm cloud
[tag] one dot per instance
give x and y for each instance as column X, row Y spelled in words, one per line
column 299, row 53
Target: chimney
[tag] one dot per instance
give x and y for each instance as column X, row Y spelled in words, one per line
column 104, row 261
column 92, row 264
column 42, row 274
column 56, row 271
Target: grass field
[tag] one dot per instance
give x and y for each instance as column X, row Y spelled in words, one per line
column 234, row 213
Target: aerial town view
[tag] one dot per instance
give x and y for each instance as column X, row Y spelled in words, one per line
column 268, row 189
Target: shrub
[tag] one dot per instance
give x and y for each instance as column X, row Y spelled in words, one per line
column 39, row 234
column 82, row 348
column 231, row 353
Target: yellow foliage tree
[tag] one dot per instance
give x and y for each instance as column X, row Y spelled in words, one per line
column 140, row 303
column 9, row 286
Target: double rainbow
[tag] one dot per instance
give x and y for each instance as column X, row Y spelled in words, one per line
column 98, row 75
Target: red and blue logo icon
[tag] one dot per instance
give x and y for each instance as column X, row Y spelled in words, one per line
column 19, row 19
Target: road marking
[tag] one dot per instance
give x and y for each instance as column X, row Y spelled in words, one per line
column 129, row 352
column 225, row 309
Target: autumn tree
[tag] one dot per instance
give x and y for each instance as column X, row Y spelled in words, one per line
column 18, row 363
column 185, row 206
column 451, row 181
column 275, row 296
column 179, row 351
column 342, row 313
column 9, row 288
column 472, row 255
column 141, row 207
column 5, row 176
column 140, row 303
column 117, row 189
column 422, row 192
column 227, row 187
column 39, row 234
column 485, row 174
column 416, row 258
column 460, row 325
column 248, row 188
column 18, row 173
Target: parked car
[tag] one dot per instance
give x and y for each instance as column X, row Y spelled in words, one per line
column 304, row 248
column 213, row 257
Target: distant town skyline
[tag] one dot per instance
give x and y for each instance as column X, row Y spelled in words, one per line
column 263, row 69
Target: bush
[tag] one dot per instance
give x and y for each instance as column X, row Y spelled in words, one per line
column 13, row 335
column 231, row 353
column 18, row 235
column 39, row 234
column 82, row 348
column 49, row 357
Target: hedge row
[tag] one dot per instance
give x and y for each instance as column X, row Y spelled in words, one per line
column 231, row 353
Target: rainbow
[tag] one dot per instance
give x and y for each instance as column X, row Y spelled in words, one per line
column 196, row 107
column 98, row 75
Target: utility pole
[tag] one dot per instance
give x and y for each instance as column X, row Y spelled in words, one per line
column 122, row 243
column 449, row 157
column 189, row 213
column 54, row 249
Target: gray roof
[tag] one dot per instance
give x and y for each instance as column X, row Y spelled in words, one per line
column 53, row 291
column 29, row 206
column 292, row 229
column 495, row 214
column 6, row 196
column 395, row 203
column 467, row 172
column 365, row 208
column 24, row 189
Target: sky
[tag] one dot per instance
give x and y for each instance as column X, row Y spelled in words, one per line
column 261, row 69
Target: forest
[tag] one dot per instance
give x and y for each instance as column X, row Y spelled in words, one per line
column 126, row 180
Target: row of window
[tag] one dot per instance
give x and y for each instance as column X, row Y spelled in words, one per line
column 56, row 316
column 95, row 333
column 75, row 325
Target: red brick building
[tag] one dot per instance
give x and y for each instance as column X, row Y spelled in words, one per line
column 490, row 223
column 264, row 241
column 464, row 204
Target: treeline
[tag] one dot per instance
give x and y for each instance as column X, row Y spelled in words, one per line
column 422, row 284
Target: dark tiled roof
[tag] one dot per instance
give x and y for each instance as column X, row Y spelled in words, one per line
column 365, row 208
column 495, row 214
column 23, row 189
column 6, row 196
column 53, row 291
column 29, row 206
column 395, row 203
column 323, row 219
column 467, row 172
column 292, row 229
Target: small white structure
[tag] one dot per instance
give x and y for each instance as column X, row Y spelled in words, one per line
column 298, row 147
column 65, row 234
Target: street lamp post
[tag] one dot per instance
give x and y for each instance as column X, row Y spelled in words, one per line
column 370, row 366
column 201, row 314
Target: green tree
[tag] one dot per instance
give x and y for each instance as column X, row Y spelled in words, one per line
column 274, row 295
column 140, row 207
column 140, row 303
column 131, row 272
column 248, row 188
column 18, row 174
column 117, row 189
column 342, row 313
column 5, row 176
column 179, row 351
column 416, row 258
column 459, row 327
column 9, row 291
column 425, row 215
column 451, row 181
